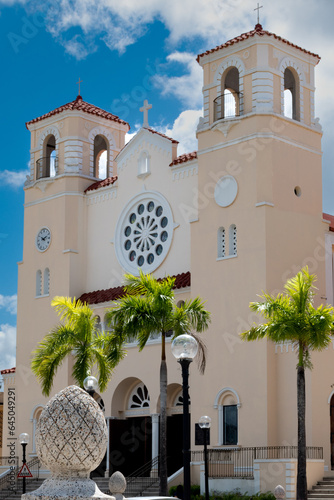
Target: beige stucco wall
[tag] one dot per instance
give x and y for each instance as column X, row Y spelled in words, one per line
column 277, row 233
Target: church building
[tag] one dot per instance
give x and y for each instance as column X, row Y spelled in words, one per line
column 239, row 216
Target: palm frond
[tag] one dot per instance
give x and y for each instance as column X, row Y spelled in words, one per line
column 83, row 363
column 45, row 365
column 292, row 317
column 201, row 357
column 104, row 368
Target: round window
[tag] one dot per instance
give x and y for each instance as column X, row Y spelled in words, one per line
column 144, row 233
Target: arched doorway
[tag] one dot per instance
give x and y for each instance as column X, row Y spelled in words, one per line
column 131, row 434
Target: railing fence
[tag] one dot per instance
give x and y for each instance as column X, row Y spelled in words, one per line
column 239, row 462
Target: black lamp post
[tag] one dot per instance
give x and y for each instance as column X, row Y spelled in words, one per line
column 205, row 423
column 184, row 348
column 24, row 440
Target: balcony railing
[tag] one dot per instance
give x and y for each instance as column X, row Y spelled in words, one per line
column 46, row 166
column 239, row 462
column 227, row 105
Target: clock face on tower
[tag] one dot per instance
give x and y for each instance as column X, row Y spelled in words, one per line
column 43, row 239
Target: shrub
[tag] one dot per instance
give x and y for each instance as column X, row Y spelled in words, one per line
column 228, row 495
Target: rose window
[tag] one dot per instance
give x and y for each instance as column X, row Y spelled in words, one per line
column 144, row 232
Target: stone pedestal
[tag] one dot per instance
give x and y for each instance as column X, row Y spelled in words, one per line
column 67, row 489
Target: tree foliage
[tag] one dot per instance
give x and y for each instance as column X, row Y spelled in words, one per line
column 77, row 335
column 291, row 316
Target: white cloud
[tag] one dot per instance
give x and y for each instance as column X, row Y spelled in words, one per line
column 13, row 178
column 120, row 24
column 7, row 346
column 188, row 87
column 79, row 48
column 130, row 135
column 184, row 130
column 9, row 303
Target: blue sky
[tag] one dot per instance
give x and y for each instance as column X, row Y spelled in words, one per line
column 126, row 52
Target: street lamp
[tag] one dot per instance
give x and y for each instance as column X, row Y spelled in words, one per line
column 184, row 348
column 205, row 424
column 90, row 384
column 24, row 440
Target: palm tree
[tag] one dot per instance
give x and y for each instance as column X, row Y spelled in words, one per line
column 79, row 336
column 292, row 317
column 147, row 308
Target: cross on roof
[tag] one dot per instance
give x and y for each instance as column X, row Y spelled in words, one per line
column 79, row 81
column 258, row 12
column 144, row 109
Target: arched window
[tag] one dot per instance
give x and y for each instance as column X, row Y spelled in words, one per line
column 106, row 325
column 227, row 105
column 38, row 283
column 178, row 400
column 53, row 163
column 291, row 94
column 221, row 243
column 46, row 281
column 100, row 157
column 143, row 164
column 230, row 424
column 47, row 166
column 35, row 415
column 228, row 403
column 139, row 397
column 98, row 324
column 232, row 239
column 288, row 103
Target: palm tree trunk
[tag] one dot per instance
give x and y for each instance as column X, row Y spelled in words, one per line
column 163, row 421
column 301, row 405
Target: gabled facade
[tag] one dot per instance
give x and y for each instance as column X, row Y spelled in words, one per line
column 240, row 215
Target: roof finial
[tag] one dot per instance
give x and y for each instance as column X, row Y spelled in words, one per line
column 79, row 81
column 144, row 110
column 258, row 14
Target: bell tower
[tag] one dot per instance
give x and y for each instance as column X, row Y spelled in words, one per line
column 260, row 199
column 72, row 147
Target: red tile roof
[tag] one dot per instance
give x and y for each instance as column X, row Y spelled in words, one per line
column 8, row 370
column 259, row 31
column 99, row 184
column 80, row 105
column 161, row 135
column 181, row 281
column 184, row 158
column 331, row 219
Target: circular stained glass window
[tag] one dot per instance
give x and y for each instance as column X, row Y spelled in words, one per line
column 144, row 233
